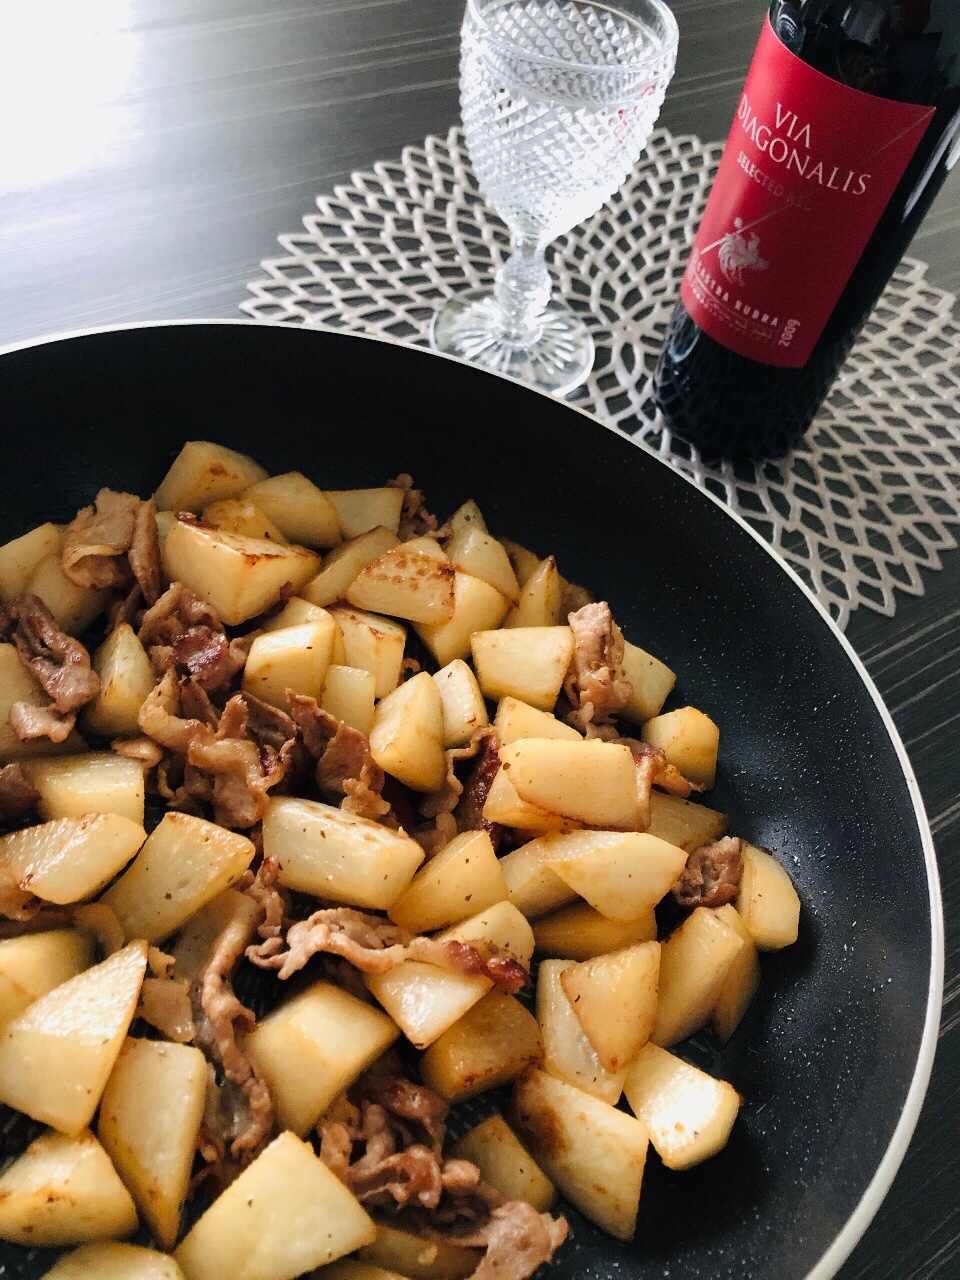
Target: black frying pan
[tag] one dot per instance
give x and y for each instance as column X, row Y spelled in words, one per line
column 834, row 1055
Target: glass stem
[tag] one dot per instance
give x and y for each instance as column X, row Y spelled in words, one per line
column 522, row 290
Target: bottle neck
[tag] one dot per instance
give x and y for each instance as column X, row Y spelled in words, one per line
column 905, row 50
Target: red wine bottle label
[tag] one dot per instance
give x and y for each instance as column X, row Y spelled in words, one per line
column 809, row 167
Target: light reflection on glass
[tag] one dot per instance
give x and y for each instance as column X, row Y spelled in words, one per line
column 64, row 68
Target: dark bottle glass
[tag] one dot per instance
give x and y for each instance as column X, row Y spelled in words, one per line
column 908, row 51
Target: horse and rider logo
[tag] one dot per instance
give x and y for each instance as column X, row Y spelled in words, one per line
column 738, row 254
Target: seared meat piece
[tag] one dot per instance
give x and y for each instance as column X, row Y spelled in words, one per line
column 144, row 750
column 176, row 611
column 144, row 553
column 160, row 718
column 268, row 725
column 221, row 1021
column 207, row 656
column 165, row 1004
column 596, row 683
column 415, row 519
column 60, row 664
column 29, row 722
column 469, row 811
column 97, row 540
column 345, row 768
column 375, row 945
column 712, row 875
column 448, row 797
column 17, row 794
column 516, row 1238
column 654, row 770
column 180, row 632
column 399, row 1128
column 243, row 772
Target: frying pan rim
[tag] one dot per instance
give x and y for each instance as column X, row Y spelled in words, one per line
column 858, row 1221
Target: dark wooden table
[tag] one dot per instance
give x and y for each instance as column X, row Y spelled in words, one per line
column 152, row 150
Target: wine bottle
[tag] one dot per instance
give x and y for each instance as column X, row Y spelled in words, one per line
column 848, row 124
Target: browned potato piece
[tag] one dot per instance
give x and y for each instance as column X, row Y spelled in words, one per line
column 406, row 584
column 69, row 859
column 477, row 607
column 239, row 576
column 56, row 1056
column 184, row 863
column 767, row 901
column 528, row 663
column 694, row 963
column 33, row 965
column 64, row 1190
column 295, row 658
column 19, row 558
column 112, row 1261
column 360, row 510
column 463, row 878
column 473, row 551
column 373, row 644
column 150, row 1117
column 412, row 1256
column 343, row 564
column 284, row 1214
column 313, row 1047
column 349, row 694
column 493, row 1042
column 568, row 1054
column 690, row 741
column 331, row 853
column 592, row 781
column 424, row 1000
column 742, row 980
column 524, row 561
column 620, row 873
column 502, row 925
column 302, row 512
column 594, row 1153
column 650, row 681
column 295, row 613
column 126, row 681
column 683, row 823
column 503, row 805
column 74, row 608
column 239, row 515
column 464, row 711
column 467, row 514
column 92, row 782
column 688, row 1114
column 615, row 999
column 515, row 720
column 540, row 598
column 407, row 735
column 506, row 1164
column 579, row 932
column 202, row 473
column 533, row 888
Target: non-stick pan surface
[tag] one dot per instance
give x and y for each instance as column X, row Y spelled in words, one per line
column 834, row 1055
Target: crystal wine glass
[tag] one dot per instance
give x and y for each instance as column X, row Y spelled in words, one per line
column 558, row 100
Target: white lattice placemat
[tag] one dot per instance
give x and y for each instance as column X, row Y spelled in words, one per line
column 871, row 498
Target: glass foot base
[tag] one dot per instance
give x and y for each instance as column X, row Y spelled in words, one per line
column 558, row 358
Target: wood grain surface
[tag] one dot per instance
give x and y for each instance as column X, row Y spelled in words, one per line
column 152, row 150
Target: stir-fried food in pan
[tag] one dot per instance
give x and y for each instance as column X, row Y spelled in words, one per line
column 294, row 785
